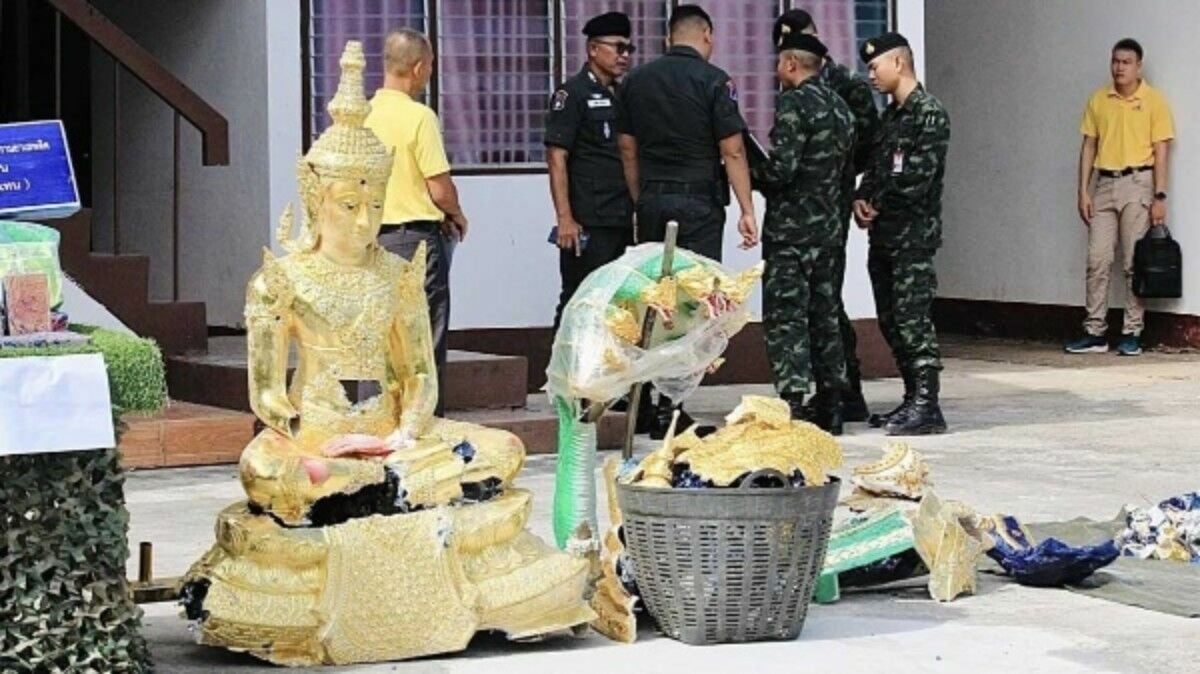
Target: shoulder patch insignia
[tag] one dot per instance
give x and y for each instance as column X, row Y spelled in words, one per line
column 733, row 95
column 559, row 101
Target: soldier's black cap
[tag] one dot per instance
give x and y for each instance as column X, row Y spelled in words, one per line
column 802, row 42
column 877, row 46
column 791, row 21
column 609, row 23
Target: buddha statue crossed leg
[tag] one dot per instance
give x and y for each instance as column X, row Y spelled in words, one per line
column 372, row 530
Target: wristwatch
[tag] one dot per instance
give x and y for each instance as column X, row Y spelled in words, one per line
column 1160, row 196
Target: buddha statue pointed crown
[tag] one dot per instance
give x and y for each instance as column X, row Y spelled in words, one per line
column 346, row 150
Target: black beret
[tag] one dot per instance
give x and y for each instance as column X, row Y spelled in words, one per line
column 795, row 20
column 609, row 23
column 877, row 46
column 802, row 42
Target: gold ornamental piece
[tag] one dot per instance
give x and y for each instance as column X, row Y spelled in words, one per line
column 942, row 531
column 759, row 434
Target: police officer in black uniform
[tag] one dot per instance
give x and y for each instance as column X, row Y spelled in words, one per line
column 593, row 208
column 681, row 147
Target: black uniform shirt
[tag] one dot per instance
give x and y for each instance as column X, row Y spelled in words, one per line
column 582, row 120
column 679, row 107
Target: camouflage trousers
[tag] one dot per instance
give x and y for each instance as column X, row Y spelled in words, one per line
column 904, row 283
column 845, row 327
column 800, row 316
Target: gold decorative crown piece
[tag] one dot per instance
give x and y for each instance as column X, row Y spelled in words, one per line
column 347, row 149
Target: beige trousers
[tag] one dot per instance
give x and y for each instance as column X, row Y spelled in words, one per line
column 1121, row 214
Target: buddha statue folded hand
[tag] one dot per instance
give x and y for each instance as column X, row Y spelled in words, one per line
column 372, row 530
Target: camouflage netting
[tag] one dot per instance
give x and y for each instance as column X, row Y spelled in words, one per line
column 64, row 603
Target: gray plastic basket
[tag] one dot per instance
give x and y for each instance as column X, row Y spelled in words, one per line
column 727, row 565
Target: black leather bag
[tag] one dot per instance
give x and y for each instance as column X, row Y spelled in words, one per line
column 1157, row 265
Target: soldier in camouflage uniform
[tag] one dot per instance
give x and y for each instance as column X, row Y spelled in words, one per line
column 900, row 202
column 855, row 91
column 802, row 181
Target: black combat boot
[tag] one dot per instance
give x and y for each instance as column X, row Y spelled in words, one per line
column 662, row 420
column 881, row 420
column 924, row 416
column 795, row 401
column 826, row 410
column 854, row 405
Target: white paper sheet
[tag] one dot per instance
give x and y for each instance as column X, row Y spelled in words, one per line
column 54, row 404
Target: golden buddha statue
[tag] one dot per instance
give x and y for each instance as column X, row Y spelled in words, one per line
column 372, row 530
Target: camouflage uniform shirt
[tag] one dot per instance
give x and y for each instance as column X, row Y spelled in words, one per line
column 803, row 179
column 903, row 180
column 857, row 93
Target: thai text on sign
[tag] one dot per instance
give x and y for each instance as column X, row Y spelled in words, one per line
column 37, row 179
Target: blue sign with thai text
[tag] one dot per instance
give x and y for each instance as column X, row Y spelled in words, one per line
column 37, row 180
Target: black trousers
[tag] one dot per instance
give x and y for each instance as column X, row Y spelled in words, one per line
column 701, row 221
column 439, row 249
column 605, row 244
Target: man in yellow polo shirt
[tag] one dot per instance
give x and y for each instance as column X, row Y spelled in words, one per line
column 421, row 202
column 1127, row 130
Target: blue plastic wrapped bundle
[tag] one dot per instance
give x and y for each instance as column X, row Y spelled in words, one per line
column 1050, row 563
column 1169, row 531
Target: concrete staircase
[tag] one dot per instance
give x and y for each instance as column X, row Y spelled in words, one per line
column 121, row 283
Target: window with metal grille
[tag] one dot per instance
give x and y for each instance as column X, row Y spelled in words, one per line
column 742, row 47
column 331, row 23
column 648, row 19
column 495, row 70
column 497, row 60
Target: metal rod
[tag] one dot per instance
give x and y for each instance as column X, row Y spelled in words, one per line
column 145, row 562
column 175, row 214
column 116, row 159
column 648, row 321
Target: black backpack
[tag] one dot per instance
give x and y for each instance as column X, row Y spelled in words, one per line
column 1157, row 265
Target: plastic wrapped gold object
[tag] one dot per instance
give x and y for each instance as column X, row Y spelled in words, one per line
column 597, row 355
column 372, row 531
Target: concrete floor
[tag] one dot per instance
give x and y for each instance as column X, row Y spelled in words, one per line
column 1034, row 433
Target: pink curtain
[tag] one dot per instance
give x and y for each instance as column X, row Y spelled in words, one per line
column 742, row 47
column 648, row 19
column 835, row 26
column 333, row 22
column 495, row 57
column 495, row 70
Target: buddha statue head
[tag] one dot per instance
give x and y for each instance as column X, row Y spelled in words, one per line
column 344, row 176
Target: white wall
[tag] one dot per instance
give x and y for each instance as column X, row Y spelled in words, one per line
column 244, row 59
column 1014, row 76
column 505, row 274
column 910, row 22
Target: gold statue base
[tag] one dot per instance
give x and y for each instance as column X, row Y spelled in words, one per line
column 382, row 587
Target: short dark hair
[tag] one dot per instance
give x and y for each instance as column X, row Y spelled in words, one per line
column 1129, row 44
column 688, row 14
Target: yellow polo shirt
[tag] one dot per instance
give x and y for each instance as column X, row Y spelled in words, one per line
column 1127, row 128
column 410, row 129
